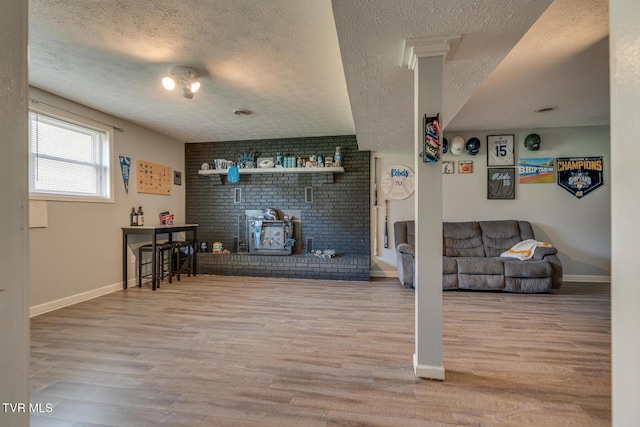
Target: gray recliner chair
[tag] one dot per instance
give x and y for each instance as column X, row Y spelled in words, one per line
column 404, row 235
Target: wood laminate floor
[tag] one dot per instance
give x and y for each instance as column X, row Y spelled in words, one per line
column 237, row 351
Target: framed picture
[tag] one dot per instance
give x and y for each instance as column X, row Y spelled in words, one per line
column 500, row 150
column 447, row 167
column 535, row 171
column 465, row 166
column 501, row 183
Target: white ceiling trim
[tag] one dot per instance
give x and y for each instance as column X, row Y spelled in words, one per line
column 431, row 46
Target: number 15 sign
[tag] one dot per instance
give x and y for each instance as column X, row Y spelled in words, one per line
column 500, row 150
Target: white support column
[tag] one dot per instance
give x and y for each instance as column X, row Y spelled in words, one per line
column 14, row 227
column 426, row 58
column 624, row 48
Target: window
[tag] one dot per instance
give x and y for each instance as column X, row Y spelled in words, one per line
column 68, row 159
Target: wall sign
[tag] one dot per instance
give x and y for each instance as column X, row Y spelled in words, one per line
column 501, row 183
column 153, row 178
column 535, row 171
column 398, row 182
column 500, row 150
column 580, row 175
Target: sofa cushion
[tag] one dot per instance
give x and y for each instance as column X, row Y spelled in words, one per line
column 527, row 276
column 530, row 268
column 449, row 265
column 527, row 284
column 480, row 273
column 499, row 236
column 480, row 265
column 488, row 282
column 449, row 281
column 462, row 239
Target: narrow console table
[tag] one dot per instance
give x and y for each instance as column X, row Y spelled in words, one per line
column 153, row 231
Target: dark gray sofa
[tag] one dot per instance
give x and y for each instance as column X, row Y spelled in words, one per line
column 471, row 257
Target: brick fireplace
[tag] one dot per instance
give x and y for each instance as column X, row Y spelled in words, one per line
column 333, row 208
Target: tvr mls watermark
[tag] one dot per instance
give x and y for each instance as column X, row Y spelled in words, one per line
column 33, row 408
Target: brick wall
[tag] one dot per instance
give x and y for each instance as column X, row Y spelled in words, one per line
column 338, row 217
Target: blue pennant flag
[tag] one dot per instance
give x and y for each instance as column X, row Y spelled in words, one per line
column 125, row 166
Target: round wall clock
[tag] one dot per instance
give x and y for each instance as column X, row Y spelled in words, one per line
column 397, row 182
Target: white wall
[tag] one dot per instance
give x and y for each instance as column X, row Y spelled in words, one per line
column 384, row 264
column 80, row 252
column 580, row 228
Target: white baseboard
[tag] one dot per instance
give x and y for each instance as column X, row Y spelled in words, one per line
column 427, row 371
column 567, row 277
column 588, row 279
column 37, row 310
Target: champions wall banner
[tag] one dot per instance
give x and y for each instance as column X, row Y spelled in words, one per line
column 580, row 175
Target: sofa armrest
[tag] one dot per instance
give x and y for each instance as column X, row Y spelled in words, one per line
column 541, row 252
column 406, row 249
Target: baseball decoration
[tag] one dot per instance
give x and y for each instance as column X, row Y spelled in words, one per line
column 500, row 150
column 398, row 182
column 431, row 145
column 580, row 175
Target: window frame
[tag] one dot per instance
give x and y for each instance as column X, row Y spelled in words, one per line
column 107, row 156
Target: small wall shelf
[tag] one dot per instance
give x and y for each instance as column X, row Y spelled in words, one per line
column 272, row 170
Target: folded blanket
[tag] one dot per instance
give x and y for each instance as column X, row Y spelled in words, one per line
column 525, row 249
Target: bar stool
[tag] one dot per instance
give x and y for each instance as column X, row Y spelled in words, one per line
column 164, row 261
column 182, row 247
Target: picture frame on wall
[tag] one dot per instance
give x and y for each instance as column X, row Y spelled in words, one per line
column 500, row 150
column 501, row 183
column 465, row 166
column 447, row 167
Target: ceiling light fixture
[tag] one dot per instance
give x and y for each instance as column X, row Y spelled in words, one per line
column 184, row 77
column 544, row 109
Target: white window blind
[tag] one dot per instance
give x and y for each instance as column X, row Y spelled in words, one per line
column 68, row 160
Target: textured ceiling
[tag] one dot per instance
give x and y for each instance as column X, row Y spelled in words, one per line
column 371, row 39
column 278, row 58
column 562, row 61
column 291, row 61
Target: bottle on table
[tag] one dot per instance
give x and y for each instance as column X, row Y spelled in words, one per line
column 133, row 216
column 140, row 216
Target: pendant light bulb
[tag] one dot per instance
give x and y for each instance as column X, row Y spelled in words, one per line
column 183, row 77
column 168, row 83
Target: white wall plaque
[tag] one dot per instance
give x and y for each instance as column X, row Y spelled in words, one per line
column 397, row 182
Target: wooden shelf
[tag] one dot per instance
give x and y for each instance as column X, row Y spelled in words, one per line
column 272, row 170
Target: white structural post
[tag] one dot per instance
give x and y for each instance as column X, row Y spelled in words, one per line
column 14, row 229
column 624, row 52
column 426, row 58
